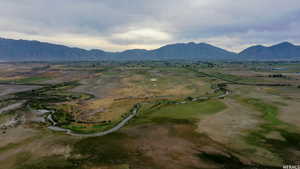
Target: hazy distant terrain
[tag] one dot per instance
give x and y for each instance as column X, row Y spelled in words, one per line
column 22, row 50
column 149, row 115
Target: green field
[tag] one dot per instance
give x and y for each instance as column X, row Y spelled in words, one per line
column 189, row 111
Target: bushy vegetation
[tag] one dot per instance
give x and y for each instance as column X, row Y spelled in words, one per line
column 103, row 150
column 36, row 79
column 46, row 97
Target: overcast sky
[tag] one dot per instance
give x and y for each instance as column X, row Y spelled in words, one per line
column 116, row 25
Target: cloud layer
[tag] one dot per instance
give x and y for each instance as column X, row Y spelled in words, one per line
column 125, row 24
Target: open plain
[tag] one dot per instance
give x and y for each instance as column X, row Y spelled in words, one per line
column 171, row 115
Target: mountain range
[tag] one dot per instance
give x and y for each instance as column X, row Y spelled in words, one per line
column 282, row 51
column 24, row 50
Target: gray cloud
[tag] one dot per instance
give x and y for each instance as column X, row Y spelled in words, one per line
column 124, row 24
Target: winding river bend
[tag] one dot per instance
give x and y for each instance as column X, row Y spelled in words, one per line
column 133, row 113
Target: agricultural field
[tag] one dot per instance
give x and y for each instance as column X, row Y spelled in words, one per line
column 149, row 115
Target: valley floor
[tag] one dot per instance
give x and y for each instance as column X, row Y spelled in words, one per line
column 153, row 115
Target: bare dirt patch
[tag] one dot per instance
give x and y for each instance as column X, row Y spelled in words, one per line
column 31, row 144
column 230, row 123
column 230, row 126
column 290, row 113
column 165, row 149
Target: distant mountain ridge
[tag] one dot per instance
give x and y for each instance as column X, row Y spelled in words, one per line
column 24, row 50
column 282, row 51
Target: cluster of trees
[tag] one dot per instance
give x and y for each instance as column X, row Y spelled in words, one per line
column 277, row 76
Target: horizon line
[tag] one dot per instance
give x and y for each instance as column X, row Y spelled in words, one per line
column 71, row 46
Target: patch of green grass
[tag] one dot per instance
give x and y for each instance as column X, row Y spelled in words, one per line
column 23, row 157
column 281, row 148
column 269, row 111
column 181, row 113
column 74, row 128
column 62, row 117
column 189, row 110
column 89, row 129
column 32, row 79
column 280, row 103
column 227, row 76
column 163, row 120
column 9, row 146
column 50, row 162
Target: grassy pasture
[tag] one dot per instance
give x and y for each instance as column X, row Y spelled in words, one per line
column 188, row 112
column 269, row 111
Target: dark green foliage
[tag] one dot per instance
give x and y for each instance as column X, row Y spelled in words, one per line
column 230, row 162
column 165, row 120
column 281, row 147
column 51, row 162
column 221, row 159
column 277, row 76
column 63, row 118
column 103, row 150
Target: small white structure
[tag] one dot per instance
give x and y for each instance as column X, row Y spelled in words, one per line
column 153, row 80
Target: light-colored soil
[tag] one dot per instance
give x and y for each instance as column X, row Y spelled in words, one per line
column 227, row 125
column 165, row 150
column 165, row 85
column 230, row 126
column 100, row 86
column 30, row 141
column 290, row 113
